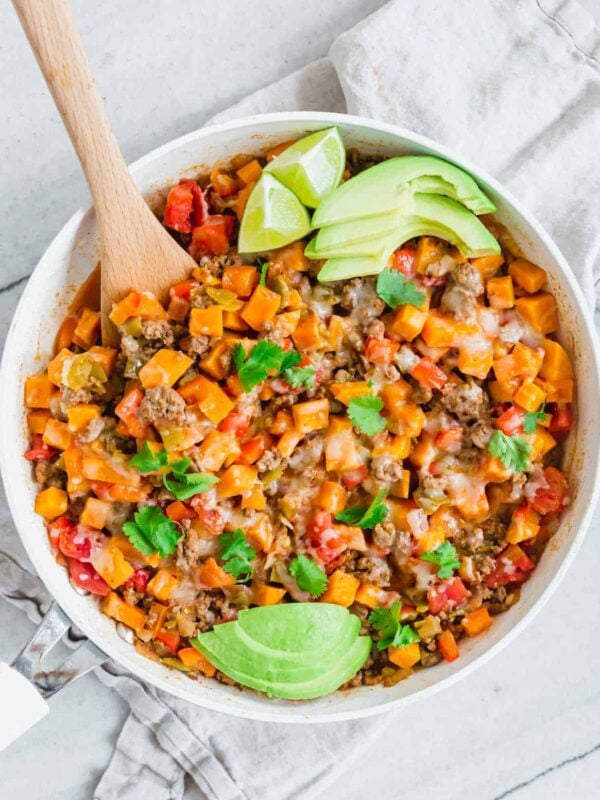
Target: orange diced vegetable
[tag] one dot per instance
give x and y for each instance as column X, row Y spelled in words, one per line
column 56, row 366
column 213, row 362
column 111, row 565
column 206, row 321
column 164, row 368
column 255, row 499
column 99, row 467
column 525, row 524
column 137, row 304
column 237, row 479
column 38, row 391
column 163, row 584
column 287, row 323
column 242, row 198
column 428, row 251
column 559, row 391
column 556, row 364
column 370, row 595
column 265, row 595
column 36, row 420
column 157, row 615
column 331, row 497
column 194, row 659
column 336, row 331
column 233, row 321
column 541, row 443
column 493, row 470
column 76, row 483
column 447, row 646
column 501, row 292
column 308, row 333
column 51, row 502
column 398, row 447
column 57, row 434
column 409, row 419
column 527, row 275
column 408, row 322
column 64, row 337
column 96, row 513
column 104, row 356
column 87, row 330
column 341, row 589
column 250, row 172
column 405, row 657
column 211, row 575
column 401, row 488
column 539, row 310
column 127, row 411
column 344, row 392
column 114, row 606
column 477, row 621
column 341, row 452
column 475, row 362
column 288, row 442
column 502, row 391
column 210, row 398
column 529, row 396
column 395, row 395
column 217, row 448
column 278, row 149
column 81, row 415
column 261, row 308
column 223, row 184
column 240, row 280
column 311, row 415
column 488, row 265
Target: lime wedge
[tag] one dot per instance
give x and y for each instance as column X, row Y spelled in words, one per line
column 311, row 167
column 273, row 217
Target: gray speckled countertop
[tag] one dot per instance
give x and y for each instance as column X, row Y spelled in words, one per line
column 527, row 726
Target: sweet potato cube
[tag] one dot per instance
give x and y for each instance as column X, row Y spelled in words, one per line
column 164, row 368
column 477, row 621
column 287, row 323
column 250, row 172
column 493, row 470
column 110, row 564
column 51, row 502
column 439, row 330
column 217, row 448
column 213, row 362
column 501, row 292
column 261, row 308
column 408, row 322
column 502, row 391
column 206, row 321
column 409, row 419
column 96, row 513
column 232, row 320
column 560, row 391
column 98, row 467
column 56, row 366
column 308, row 334
column 341, row 589
column 525, row 524
column 527, row 275
column 395, row 395
column 528, row 360
column 237, row 479
column 344, row 392
column 57, row 434
column 38, row 391
column 114, row 606
column 341, row 450
column 163, row 584
column 401, row 488
column 87, row 330
column 137, row 304
column 398, row 447
column 36, row 420
column 541, row 443
column 195, row 660
column 73, row 459
column 488, row 265
column 209, row 397
column 104, row 356
column 529, row 396
column 64, row 337
column 313, row 415
column 81, row 415
column 265, row 595
column 332, row 497
column 556, row 364
column 241, row 280
column 405, row 657
column 288, row 441
column 370, row 595
column 213, row 576
column 428, row 251
column 475, row 362
column 539, row 310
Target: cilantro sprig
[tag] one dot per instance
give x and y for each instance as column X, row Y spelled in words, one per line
column 264, row 358
column 445, row 557
column 152, row 532
column 532, row 418
column 364, row 413
column 236, row 555
column 177, row 480
column 300, row 377
column 512, row 451
column 391, row 631
column 308, row 575
column 365, row 517
column 393, row 287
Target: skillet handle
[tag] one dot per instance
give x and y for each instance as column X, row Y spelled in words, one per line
column 22, row 705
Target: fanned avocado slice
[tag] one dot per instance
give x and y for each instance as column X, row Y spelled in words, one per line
column 378, row 189
column 360, row 230
column 323, row 683
column 292, row 650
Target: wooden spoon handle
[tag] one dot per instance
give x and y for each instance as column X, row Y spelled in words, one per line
column 56, row 43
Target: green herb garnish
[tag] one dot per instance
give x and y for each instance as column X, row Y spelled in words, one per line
column 512, row 451
column 152, row 532
column 148, row 461
column 308, row 575
column 177, row 480
column 391, row 632
column 445, row 557
column 299, row 377
column 365, row 517
column 532, row 418
column 236, row 555
column 364, row 414
column 264, row 358
column 393, row 287
column 264, row 269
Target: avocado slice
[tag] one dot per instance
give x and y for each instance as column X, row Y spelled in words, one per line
column 379, row 189
column 360, row 230
column 292, row 650
column 321, row 684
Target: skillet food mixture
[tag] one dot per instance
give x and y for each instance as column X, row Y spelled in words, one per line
column 326, row 461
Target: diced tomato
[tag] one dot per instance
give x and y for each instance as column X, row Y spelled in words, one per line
column 138, row 581
column 321, row 521
column 381, row 351
column 252, row 450
column 237, row 423
column 186, row 207
column 449, row 439
column 127, row 410
column 40, row 451
column 512, row 566
column 210, row 518
column 113, row 493
column 354, row 477
column 56, row 527
column 446, row 595
column 428, row 374
column 85, row 576
column 183, row 290
column 172, row 639
column 75, row 541
column 555, row 496
column 511, row 421
column 404, row 261
column 562, row 418
column 212, row 237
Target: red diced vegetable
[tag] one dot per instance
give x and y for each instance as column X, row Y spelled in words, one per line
column 237, row 423
column 446, row 595
column 404, row 261
column 512, row 566
column 75, row 541
column 212, row 237
column 428, row 374
column 40, row 451
column 172, row 639
column 138, row 581
column 555, row 496
column 354, row 477
column 562, row 418
column 511, row 421
column 186, row 207
column 381, row 351
column 85, row 576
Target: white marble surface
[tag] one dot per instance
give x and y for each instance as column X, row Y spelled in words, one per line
column 527, row 726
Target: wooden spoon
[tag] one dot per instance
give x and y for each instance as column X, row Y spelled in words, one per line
column 137, row 252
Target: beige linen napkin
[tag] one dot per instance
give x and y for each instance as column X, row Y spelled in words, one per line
column 514, row 86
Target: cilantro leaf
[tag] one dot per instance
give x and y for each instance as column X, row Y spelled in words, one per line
column 289, row 359
column 264, row 357
column 393, row 287
column 308, row 575
column 147, row 460
column 364, row 413
column 365, row 517
column 239, row 355
column 392, row 632
column 531, row 420
column 152, row 532
column 512, row 451
column 236, row 554
column 185, row 485
column 264, row 268
column 445, row 557
column 299, row 377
